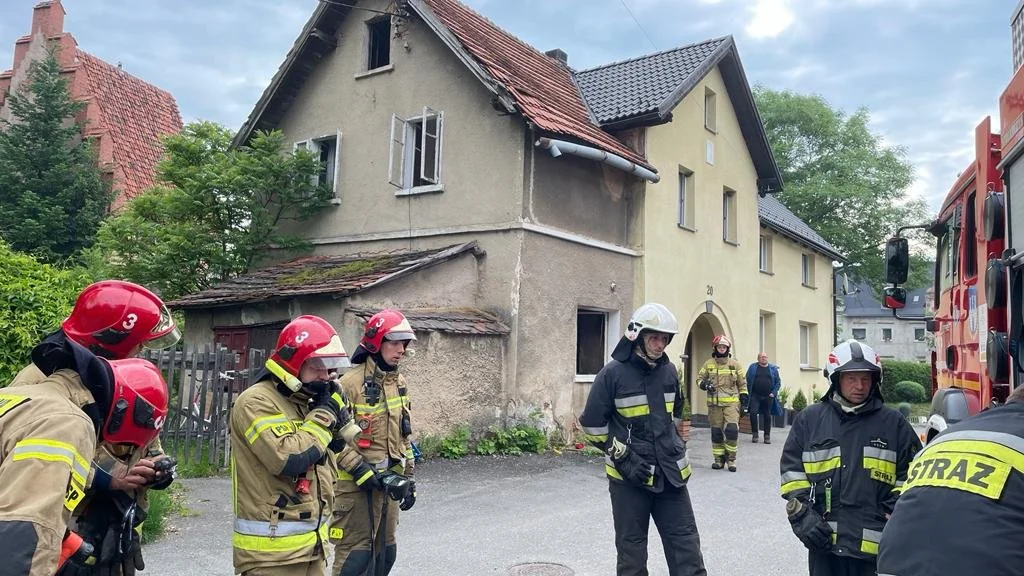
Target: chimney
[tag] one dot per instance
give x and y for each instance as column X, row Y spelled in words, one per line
column 48, row 17
column 558, row 54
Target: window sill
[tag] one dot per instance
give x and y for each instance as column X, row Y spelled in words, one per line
column 687, row 227
column 768, row 272
column 334, row 201
column 731, row 242
column 804, row 368
column 420, row 190
column 808, row 286
column 710, row 129
column 585, row 378
column 374, row 72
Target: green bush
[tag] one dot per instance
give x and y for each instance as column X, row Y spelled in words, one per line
column 896, row 371
column 799, row 401
column 909, row 391
column 36, row 298
column 784, row 397
column 512, row 441
column 456, row 444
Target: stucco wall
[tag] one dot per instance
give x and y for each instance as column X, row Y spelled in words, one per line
column 558, row 277
column 902, row 346
column 482, row 150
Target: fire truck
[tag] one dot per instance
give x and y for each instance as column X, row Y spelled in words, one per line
column 978, row 315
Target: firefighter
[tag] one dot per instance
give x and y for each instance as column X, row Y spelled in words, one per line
column 281, row 474
column 962, row 507
column 375, row 472
column 722, row 379
column 843, row 464
column 114, row 319
column 48, row 429
column 630, row 415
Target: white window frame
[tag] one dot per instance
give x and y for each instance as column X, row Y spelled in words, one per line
column 884, row 339
column 710, row 110
column 685, row 214
column 611, row 336
column 805, row 344
column 923, row 333
column 333, row 172
column 402, row 170
column 729, row 210
column 807, row 269
column 764, row 253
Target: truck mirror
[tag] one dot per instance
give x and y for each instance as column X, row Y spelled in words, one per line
column 897, row 260
column 894, row 297
column 931, row 325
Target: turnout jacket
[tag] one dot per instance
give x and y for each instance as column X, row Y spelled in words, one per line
column 381, row 442
column 962, row 507
column 45, row 442
column 273, row 445
column 639, row 405
column 850, row 468
column 727, row 379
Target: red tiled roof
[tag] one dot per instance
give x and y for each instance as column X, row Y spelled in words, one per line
column 135, row 114
column 542, row 87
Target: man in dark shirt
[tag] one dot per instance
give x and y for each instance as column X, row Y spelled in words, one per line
column 763, row 387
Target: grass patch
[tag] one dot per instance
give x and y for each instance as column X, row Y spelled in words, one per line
column 163, row 504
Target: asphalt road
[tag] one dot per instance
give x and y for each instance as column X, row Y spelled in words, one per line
column 484, row 515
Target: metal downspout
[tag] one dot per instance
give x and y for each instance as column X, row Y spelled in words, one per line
column 557, row 147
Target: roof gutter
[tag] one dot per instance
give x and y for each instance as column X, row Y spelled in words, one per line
column 558, row 147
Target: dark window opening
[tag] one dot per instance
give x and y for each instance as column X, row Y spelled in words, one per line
column 590, row 341
column 380, row 43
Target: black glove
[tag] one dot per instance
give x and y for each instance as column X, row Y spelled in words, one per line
column 809, row 526
column 744, row 398
column 330, row 409
column 167, row 467
column 707, row 385
column 630, row 465
column 409, row 500
column 366, row 477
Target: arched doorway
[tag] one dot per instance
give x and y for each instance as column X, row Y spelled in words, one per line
column 695, row 353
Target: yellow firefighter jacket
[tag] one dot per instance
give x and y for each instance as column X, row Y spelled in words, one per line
column 45, row 440
column 380, row 443
column 728, row 378
column 272, row 446
column 104, row 455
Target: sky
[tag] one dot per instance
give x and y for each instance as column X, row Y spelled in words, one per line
column 927, row 70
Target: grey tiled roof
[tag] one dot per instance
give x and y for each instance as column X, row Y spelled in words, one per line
column 862, row 303
column 471, row 321
column 641, row 85
column 774, row 215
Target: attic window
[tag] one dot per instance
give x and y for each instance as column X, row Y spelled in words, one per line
column 415, row 152
column 710, row 110
column 380, row 43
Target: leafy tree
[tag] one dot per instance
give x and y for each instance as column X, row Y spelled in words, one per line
column 213, row 212
column 842, row 179
column 36, row 297
column 53, row 194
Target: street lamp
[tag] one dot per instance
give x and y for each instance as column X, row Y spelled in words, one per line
column 837, row 269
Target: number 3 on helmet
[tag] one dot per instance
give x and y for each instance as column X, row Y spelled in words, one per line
column 113, row 318
column 306, row 338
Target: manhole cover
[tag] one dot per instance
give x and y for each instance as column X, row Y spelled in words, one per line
column 540, row 569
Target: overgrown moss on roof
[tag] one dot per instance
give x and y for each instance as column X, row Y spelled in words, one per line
column 314, row 274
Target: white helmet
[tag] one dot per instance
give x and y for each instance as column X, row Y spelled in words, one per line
column 853, row 356
column 651, row 316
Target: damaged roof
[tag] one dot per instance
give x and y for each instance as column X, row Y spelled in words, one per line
column 319, row 275
column 451, row 320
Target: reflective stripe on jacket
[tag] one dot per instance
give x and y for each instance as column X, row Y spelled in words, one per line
column 381, row 443
column 728, row 381
column 274, row 524
column 962, row 507
column 45, row 442
column 639, row 405
column 850, row 467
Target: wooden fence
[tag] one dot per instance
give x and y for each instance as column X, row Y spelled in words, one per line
column 204, row 382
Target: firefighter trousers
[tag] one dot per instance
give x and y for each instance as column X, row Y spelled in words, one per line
column 316, row 568
column 725, row 431
column 632, row 510
column 828, row 564
column 356, row 546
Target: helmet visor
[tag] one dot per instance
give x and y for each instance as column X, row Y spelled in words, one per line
column 165, row 334
column 402, row 335
column 329, row 363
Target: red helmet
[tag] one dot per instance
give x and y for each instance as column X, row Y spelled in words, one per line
column 387, row 324
column 306, row 338
column 138, row 405
column 112, row 318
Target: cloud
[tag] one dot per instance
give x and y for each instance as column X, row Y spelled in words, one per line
column 769, row 18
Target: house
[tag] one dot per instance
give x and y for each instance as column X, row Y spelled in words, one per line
column 719, row 249
column 440, row 133
column 864, row 319
column 125, row 115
